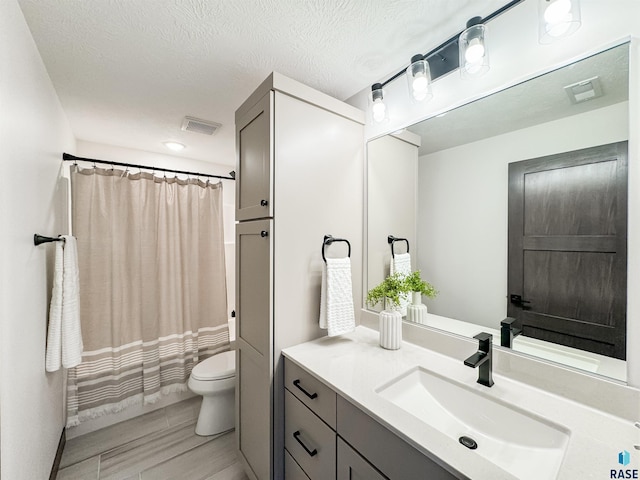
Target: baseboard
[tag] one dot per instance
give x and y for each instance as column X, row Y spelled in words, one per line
column 56, row 461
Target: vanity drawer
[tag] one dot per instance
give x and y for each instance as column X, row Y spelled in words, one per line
column 312, row 392
column 309, row 441
column 292, row 470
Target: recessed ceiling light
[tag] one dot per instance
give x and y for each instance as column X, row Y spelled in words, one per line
column 175, row 146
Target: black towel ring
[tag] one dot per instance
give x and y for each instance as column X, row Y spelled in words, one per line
column 391, row 240
column 328, row 240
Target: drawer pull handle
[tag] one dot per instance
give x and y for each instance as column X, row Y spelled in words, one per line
column 310, row 395
column 264, row 203
column 264, row 233
column 312, row 453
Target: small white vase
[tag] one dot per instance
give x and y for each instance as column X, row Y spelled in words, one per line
column 417, row 311
column 390, row 329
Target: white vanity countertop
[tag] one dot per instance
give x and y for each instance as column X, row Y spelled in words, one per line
column 354, row 365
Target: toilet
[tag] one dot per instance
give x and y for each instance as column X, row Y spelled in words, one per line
column 215, row 379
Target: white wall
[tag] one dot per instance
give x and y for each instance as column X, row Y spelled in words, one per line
column 462, row 209
column 516, row 56
column 33, row 134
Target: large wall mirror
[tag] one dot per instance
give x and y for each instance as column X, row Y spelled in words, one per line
column 515, row 206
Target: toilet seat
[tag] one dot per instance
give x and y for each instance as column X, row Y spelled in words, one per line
column 218, row 367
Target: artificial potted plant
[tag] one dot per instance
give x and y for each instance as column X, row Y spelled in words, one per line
column 416, row 312
column 389, row 293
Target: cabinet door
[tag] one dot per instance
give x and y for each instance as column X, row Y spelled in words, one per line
column 254, row 145
column 254, row 357
column 254, row 285
column 351, row 466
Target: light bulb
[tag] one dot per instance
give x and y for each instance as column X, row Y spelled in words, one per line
column 557, row 12
column 419, row 79
column 379, row 110
column 558, row 18
column 420, row 84
column 474, row 51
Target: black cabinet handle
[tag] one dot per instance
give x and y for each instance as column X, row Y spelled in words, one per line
column 264, row 203
column 312, row 453
column 310, row 395
column 264, row 233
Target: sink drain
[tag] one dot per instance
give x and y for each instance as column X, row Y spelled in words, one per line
column 468, row 442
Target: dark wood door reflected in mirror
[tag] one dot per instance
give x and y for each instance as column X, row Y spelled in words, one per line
column 567, row 248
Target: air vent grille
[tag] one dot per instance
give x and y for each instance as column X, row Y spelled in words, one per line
column 585, row 90
column 196, row 125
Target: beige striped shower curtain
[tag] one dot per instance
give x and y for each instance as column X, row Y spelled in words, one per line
column 152, row 286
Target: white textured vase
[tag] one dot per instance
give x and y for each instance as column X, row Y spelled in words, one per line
column 417, row 311
column 390, row 329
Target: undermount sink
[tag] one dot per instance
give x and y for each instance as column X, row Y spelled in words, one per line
column 520, row 443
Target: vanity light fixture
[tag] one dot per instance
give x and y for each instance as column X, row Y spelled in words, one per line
column 419, row 79
column 466, row 50
column 474, row 57
column 557, row 19
column 175, row 146
column 379, row 111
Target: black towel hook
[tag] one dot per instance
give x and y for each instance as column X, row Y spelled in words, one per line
column 391, row 240
column 329, row 239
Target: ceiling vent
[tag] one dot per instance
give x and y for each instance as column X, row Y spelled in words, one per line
column 585, row 90
column 196, row 125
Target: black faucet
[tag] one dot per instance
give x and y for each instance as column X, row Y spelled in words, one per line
column 508, row 332
column 483, row 359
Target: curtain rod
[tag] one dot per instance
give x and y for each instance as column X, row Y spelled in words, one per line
column 68, row 157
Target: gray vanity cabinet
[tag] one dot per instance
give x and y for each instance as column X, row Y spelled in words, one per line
column 327, row 437
column 299, row 177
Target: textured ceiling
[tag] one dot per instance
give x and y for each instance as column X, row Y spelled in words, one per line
column 128, row 71
column 542, row 99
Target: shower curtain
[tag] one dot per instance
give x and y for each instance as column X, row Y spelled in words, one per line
column 152, row 286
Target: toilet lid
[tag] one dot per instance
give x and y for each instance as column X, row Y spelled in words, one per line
column 221, row 365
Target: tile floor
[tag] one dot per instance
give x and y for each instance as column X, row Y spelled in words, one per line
column 157, row 446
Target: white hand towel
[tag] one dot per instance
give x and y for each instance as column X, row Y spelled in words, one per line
column 401, row 263
column 336, row 297
column 64, row 339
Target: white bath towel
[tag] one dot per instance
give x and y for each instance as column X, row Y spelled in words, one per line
column 336, row 297
column 64, row 338
column 401, row 263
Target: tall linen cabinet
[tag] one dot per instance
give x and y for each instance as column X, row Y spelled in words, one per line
column 300, row 176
